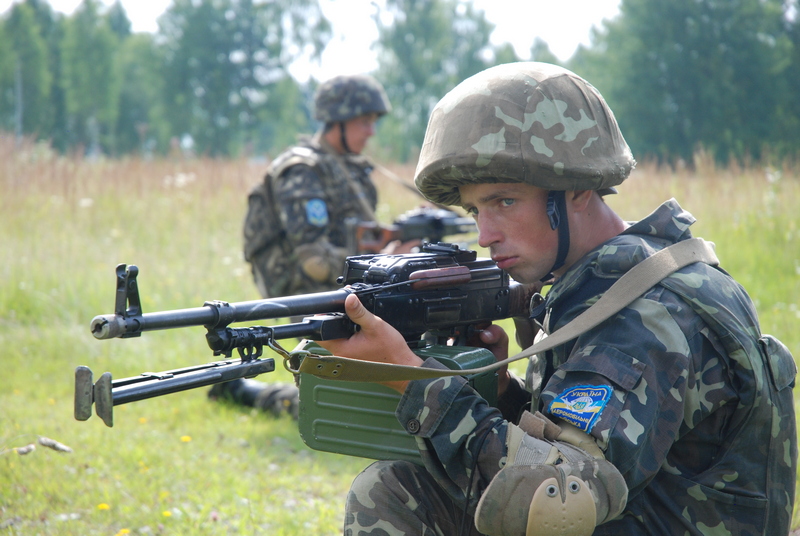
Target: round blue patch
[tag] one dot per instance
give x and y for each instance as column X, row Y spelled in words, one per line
column 317, row 212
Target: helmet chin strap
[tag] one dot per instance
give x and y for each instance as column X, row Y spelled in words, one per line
column 344, row 138
column 557, row 214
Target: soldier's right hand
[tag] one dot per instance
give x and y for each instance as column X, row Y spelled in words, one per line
column 376, row 341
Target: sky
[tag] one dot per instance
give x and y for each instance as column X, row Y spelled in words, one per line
column 563, row 24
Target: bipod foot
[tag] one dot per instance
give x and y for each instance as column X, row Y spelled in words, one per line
column 88, row 393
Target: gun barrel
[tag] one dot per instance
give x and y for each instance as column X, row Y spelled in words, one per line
column 218, row 313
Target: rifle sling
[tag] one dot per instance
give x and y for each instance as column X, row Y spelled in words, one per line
column 622, row 293
column 355, row 188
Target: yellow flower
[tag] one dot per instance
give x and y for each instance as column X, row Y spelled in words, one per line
column 103, row 506
column 142, row 420
column 186, row 438
column 122, row 532
column 166, row 513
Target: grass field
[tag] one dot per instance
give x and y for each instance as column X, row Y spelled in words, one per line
column 180, row 464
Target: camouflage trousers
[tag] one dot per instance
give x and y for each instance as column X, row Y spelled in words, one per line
column 398, row 498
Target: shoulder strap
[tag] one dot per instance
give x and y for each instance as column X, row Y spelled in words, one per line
column 292, row 157
column 622, row 293
column 352, row 184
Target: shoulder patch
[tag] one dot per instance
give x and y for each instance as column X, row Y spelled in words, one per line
column 317, row 212
column 581, row 405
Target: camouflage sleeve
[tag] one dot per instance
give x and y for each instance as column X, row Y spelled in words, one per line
column 456, row 431
column 305, row 213
column 652, row 375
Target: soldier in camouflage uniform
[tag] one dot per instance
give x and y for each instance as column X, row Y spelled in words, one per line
column 673, row 417
column 296, row 233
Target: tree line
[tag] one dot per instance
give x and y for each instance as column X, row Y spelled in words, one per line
column 215, row 78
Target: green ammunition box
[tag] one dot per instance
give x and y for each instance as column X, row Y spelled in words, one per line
column 357, row 418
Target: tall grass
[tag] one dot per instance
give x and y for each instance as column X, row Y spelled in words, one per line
column 182, row 465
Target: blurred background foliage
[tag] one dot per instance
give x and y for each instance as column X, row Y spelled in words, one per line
column 215, row 78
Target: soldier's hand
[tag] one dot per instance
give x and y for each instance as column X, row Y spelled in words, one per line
column 495, row 339
column 375, row 341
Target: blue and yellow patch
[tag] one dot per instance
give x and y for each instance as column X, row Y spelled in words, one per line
column 317, row 212
column 581, row 405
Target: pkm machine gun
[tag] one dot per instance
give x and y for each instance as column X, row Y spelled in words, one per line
column 436, row 298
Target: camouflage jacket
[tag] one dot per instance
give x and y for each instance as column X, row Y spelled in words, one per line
column 690, row 403
column 313, row 196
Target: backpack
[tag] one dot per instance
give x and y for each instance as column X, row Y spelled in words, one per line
column 262, row 224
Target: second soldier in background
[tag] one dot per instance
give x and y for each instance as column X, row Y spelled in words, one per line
column 296, row 232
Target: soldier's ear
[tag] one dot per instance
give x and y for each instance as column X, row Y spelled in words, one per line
column 579, row 199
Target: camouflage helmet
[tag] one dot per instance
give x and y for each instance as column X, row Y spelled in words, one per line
column 348, row 96
column 522, row 122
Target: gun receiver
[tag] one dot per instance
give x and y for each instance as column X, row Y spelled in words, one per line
column 435, row 298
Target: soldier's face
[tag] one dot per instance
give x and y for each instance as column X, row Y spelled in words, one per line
column 358, row 130
column 512, row 222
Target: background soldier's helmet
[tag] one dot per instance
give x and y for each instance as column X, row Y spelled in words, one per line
column 522, row 122
column 345, row 97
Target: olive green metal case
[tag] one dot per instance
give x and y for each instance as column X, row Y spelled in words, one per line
column 357, row 418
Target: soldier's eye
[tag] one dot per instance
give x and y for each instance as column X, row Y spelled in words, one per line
column 507, row 202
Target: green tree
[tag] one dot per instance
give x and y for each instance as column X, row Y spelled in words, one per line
column 90, row 78
column 141, row 126
column 686, row 74
column 787, row 132
column 7, row 72
column 223, row 59
column 30, row 88
column 540, row 51
column 427, row 48
column 285, row 114
column 118, row 20
column 505, row 53
column 51, row 25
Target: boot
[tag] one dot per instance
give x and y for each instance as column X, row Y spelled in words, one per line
column 272, row 397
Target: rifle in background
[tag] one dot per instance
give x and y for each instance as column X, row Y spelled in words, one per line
column 424, row 224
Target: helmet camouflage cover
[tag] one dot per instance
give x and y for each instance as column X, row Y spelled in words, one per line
column 522, row 122
column 348, row 96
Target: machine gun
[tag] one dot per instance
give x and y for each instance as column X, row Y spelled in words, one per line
column 425, row 223
column 434, row 298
